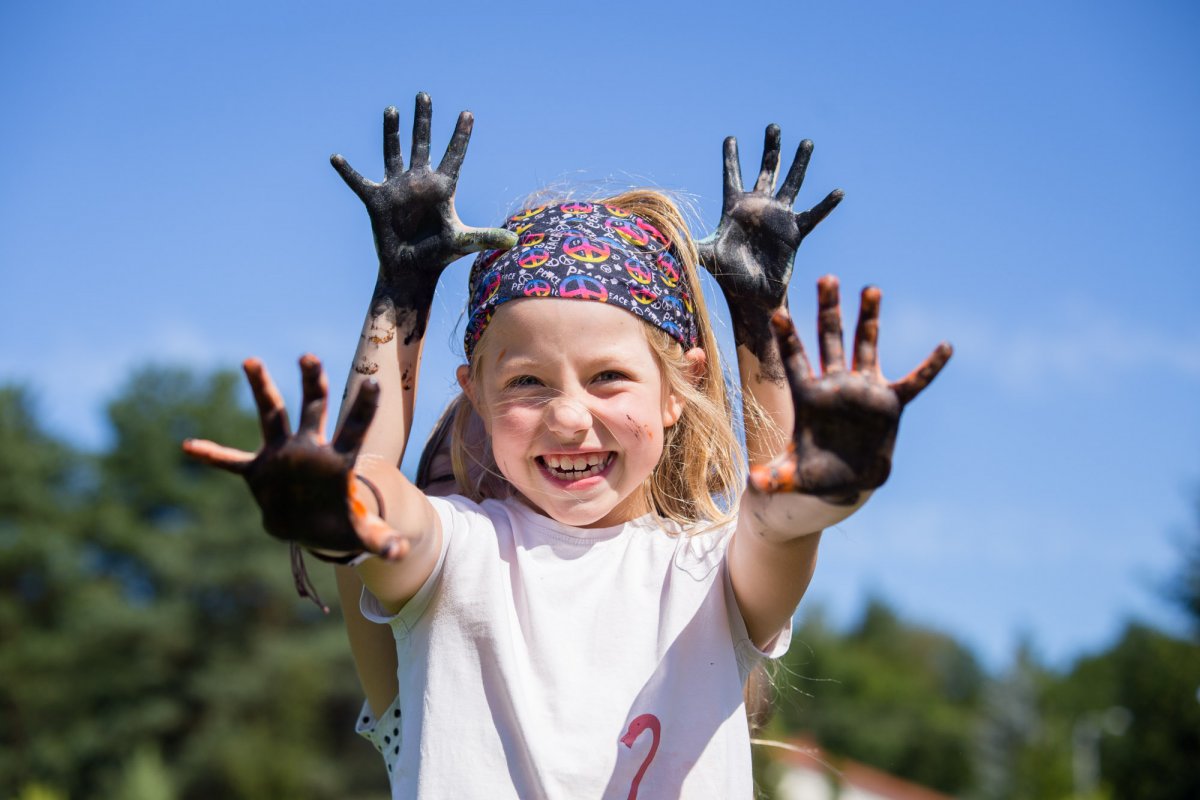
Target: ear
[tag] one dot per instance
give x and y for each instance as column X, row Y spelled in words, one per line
column 697, row 360
column 673, row 405
column 463, row 376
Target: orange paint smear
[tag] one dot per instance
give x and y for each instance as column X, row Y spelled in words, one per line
column 357, row 509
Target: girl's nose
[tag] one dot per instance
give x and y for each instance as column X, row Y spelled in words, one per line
column 568, row 418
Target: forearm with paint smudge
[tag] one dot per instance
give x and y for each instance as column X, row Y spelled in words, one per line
column 417, row 235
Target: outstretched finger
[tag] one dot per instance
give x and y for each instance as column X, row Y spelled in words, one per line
column 866, row 335
column 272, row 413
column 791, row 350
column 915, row 382
column 354, row 427
column 829, row 326
column 472, row 240
column 216, row 455
column 421, row 121
column 315, row 406
column 770, row 161
column 393, row 156
column 733, row 171
column 456, row 151
column 377, row 536
column 795, row 177
column 807, row 220
column 357, row 183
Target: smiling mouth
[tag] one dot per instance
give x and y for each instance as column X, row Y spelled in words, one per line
column 575, row 467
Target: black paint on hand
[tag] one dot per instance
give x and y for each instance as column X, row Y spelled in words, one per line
column 846, row 419
column 417, row 231
column 301, row 482
column 752, row 252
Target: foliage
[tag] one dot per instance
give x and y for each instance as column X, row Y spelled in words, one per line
column 897, row 696
column 154, row 645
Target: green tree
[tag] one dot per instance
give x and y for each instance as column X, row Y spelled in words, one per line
column 1155, row 677
column 1022, row 751
column 1184, row 588
column 891, row 694
column 153, row 637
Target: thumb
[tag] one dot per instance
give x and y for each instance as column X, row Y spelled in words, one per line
column 472, row 240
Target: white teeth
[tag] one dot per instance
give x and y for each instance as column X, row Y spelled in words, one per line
column 576, row 467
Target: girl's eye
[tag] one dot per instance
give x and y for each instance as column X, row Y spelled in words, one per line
column 611, row 375
column 523, row 382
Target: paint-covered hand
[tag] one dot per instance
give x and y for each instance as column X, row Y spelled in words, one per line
column 846, row 419
column 417, row 231
column 304, row 484
column 754, row 246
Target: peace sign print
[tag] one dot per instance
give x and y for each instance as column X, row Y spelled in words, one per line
column 643, row 296
column 615, row 211
column 668, row 268
column 638, row 272
column 487, row 288
column 627, row 231
column 654, row 232
column 527, row 213
column 576, row 208
column 537, row 288
column 583, row 287
column 533, row 257
column 530, row 239
column 673, row 304
column 581, row 248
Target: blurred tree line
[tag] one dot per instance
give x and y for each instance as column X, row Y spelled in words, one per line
column 152, row 647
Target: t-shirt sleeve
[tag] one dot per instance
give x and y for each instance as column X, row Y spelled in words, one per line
column 403, row 621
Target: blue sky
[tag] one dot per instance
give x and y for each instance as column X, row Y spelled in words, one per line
column 1020, row 180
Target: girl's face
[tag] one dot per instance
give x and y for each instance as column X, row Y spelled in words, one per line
column 575, row 404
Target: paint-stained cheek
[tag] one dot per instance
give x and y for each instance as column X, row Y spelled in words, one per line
column 636, row 429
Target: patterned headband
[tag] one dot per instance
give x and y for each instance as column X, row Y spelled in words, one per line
column 584, row 251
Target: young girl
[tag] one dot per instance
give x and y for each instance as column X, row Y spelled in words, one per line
column 580, row 621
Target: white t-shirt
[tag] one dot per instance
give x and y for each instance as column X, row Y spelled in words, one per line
column 545, row 661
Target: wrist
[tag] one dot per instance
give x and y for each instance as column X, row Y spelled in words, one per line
column 791, row 515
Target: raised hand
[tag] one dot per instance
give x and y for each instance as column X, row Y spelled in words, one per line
column 304, row 484
column 417, row 231
column 846, row 419
column 753, row 249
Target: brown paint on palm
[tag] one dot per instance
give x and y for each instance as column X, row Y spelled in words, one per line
column 846, row 418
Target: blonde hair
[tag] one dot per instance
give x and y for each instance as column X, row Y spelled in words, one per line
column 701, row 472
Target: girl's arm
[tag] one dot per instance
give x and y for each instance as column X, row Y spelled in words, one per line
column 846, row 421
column 751, row 256
column 408, row 210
